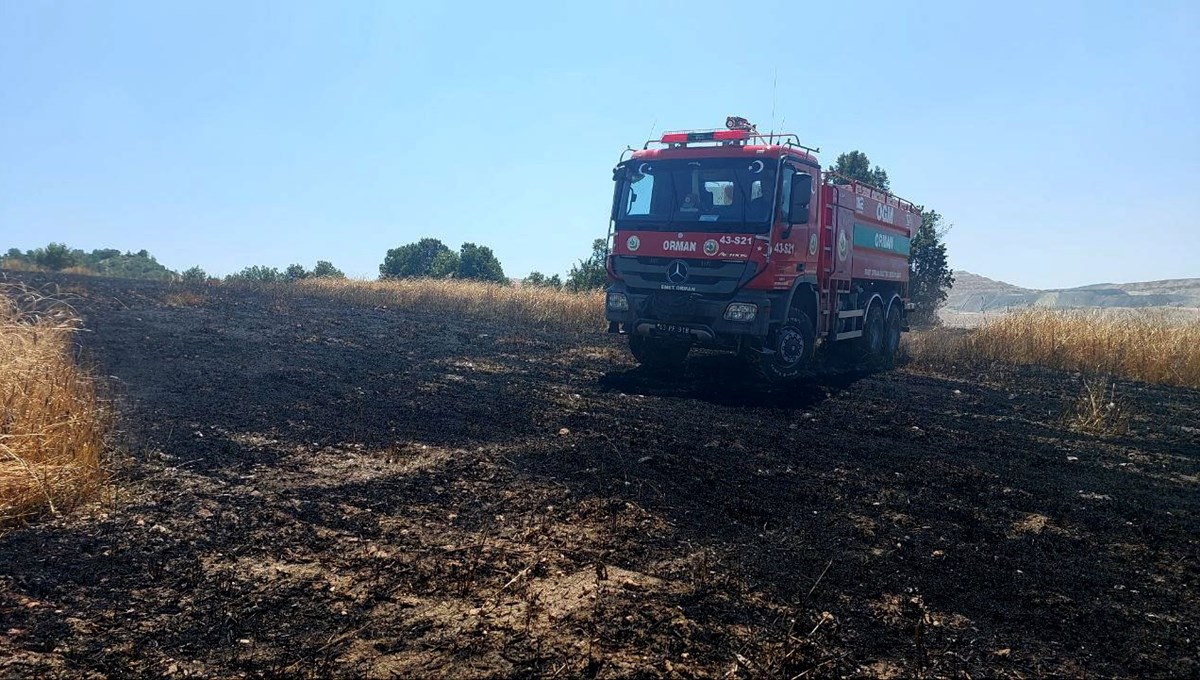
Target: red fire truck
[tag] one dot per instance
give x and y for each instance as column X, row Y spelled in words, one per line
column 731, row 239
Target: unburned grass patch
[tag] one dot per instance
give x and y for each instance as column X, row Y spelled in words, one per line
column 1152, row 347
column 1099, row 410
column 53, row 423
column 519, row 305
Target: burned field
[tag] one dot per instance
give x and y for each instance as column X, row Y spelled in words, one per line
column 312, row 488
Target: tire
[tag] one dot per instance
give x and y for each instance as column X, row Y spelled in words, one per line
column 871, row 342
column 891, row 335
column 793, row 345
column 658, row 355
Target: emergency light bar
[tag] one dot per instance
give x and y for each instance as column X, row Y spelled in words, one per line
column 709, row 136
column 740, row 131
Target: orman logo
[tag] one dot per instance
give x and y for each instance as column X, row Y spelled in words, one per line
column 680, row 246
column 711, row 247
column 812, row 244
column 842, row 245
column 677, row 272
column 634, row 242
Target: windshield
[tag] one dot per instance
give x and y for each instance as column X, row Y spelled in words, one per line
column 713, row 194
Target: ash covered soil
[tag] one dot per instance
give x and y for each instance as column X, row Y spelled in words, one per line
column 311, row 488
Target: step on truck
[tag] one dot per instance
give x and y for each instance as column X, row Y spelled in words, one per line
column 735, row 240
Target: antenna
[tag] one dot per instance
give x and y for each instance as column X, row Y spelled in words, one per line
column 652, row 126
column 774, row 87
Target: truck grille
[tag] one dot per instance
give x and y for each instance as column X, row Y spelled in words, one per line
column 713, row 277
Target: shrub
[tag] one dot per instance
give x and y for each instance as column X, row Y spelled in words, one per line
column 195, row 274
column 257, row 274
column 326, row 270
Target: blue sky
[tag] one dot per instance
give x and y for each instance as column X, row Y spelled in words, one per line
column 1060, row 139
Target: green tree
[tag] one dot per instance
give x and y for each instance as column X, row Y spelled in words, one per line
column 257, row 274
column 99, row 255
column 445, row 265
column 195, row 274
column 131, row 266
column 414, row 259
column 480, row 264
column 590, row 273
column 55, row 257
column 295, row 272
column 930, row 276
column 855, row 165
column 326, row 270
column 15, row 255
column 540, row 280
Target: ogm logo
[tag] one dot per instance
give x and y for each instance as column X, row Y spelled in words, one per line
column 843, row 247
column 711, row 247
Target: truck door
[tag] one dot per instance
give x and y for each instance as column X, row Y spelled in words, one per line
column 792, row 243
column 784, row 250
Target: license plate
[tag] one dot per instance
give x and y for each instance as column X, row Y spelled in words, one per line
column 672, row 329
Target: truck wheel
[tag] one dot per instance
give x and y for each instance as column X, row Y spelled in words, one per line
column 891, row 335
column 656, row 354
column 792, row 346
column 873, row 332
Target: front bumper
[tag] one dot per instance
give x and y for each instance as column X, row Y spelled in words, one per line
column 683, row 315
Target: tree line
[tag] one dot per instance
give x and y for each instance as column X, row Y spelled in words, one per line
column 57, row 257
column 262, row 274
column 430, row 258
column 102, row 261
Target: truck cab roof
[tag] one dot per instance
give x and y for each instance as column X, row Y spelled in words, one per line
column 728, row 151
column 727, row 143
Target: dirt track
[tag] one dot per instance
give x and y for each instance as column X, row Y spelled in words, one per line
column 316, row 489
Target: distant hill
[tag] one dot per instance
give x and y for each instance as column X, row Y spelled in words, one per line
column 973, row 293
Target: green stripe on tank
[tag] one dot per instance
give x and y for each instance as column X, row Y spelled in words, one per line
column 869, row 237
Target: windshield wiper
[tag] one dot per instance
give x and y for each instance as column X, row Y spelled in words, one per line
column 738, row 184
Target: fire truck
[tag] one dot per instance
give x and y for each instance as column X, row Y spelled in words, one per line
column 736, row 240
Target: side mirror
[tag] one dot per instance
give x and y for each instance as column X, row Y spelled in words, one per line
column 801, row 196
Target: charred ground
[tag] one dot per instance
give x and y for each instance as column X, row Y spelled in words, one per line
column 313, row 488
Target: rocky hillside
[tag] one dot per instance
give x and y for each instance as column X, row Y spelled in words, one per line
column 975, row 293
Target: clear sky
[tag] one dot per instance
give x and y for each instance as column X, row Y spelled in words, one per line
column 1061, row 139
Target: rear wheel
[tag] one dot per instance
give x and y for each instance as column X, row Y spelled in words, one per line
column 657, row 354
column 791, row 349
column 891, row 334
column 872, row 338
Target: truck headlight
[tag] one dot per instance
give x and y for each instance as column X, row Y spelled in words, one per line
column 741, row 311
column 617, row 302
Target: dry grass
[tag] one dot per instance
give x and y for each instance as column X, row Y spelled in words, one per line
column 183, row 298
column 524, row 305
column 1149, row 346
column 1098, row 409
column 15, row 265
column 52, row 424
